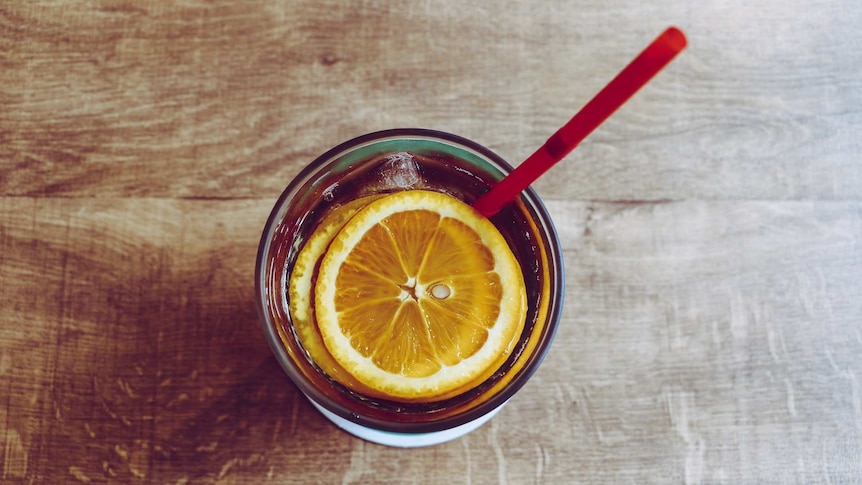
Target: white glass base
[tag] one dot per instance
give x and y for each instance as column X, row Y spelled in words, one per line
column 405, row 440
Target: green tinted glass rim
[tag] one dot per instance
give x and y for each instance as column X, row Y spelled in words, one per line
column 419, row 145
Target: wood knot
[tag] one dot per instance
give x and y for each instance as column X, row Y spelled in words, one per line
column 329, row 59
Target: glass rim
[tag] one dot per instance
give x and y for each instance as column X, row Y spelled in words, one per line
column 556, row 279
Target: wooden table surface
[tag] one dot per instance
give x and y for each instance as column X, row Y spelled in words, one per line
column 712, row 230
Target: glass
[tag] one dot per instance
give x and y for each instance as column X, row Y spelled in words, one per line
column 378, row 163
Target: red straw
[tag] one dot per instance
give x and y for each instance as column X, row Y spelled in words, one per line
column 646, row 65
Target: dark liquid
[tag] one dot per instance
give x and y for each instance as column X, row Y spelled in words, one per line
column 429, row 171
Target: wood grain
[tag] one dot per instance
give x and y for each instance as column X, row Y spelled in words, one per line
column 685, row 351
column 226, row 99
column 711, row 229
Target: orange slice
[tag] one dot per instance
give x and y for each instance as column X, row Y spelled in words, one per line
column 301, row 290
column 418, row 294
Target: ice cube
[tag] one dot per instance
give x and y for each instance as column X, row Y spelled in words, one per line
column 399, row 171
column 329, row 192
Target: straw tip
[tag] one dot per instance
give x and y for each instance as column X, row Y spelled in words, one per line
column 675, row 38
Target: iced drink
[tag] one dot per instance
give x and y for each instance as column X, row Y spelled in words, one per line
column 405, row 316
